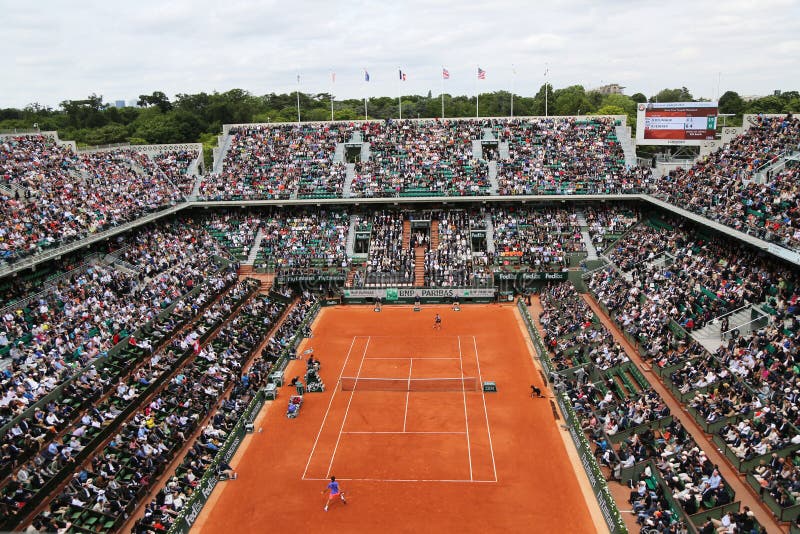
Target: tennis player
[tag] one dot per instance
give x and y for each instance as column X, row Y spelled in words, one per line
column 334, row 491
column 437, row 322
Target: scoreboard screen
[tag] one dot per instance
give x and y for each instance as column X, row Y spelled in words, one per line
column 676, row 123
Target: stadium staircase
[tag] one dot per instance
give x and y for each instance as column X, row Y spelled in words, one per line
column 223, row 145
column 477, row 149
column 419, row 266
column 775, row 167
column 339, row 154
column 194, row 170
column 365, row 152
column 251, row 257
column 493, row 177
column 489, row 234
column 745, row 320
column 351, row 236
column 406, row 234
column 625, row 141
column 587, row 239
column 502, row 148
column 351, row 275
column 9, row 192
column 347, row 190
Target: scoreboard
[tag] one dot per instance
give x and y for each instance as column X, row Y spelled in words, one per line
column 676, row 123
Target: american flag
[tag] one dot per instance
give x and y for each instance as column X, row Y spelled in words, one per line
column 481, row 74
column 445, row 74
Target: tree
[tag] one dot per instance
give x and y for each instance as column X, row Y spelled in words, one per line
column 639, row 98
column 158, row 99
column 609, row 110
column 572, row 100
column 85, row 113
column 673, row 95
column 731, row 102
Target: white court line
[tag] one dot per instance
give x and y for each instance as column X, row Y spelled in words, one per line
column 405, row 415
column 330, row 402
column 485, row 413
column 464, row 396
column 347, row 409
column 410, row 358
column 393, row 432
column 465, row 481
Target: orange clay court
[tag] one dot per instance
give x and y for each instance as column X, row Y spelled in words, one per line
column 408, row 461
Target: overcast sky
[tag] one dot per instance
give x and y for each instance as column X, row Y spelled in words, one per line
column 54, row 49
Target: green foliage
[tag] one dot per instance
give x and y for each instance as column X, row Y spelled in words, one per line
column 673, row 95
column 731, row 102
column 572, row 101
column 609, row 110
column 199, row 117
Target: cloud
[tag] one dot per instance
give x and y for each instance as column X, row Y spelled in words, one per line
column 55, row 50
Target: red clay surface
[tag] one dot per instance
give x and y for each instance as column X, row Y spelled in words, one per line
column 416, row 461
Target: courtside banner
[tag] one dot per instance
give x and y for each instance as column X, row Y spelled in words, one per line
column 531, row 277
column 393, row 294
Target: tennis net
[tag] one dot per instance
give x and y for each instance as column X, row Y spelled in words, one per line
column 351, row 383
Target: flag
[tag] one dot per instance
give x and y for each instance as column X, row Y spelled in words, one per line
column 402, row 76
column 366, row 75
column 445, row 74
column 481, row 74
column 546, row 70
column 333, row 77
column 298, row 79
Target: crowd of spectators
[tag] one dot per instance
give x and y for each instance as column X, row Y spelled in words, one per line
column 59, row 196
column 539, row 238
column 418, row 158
column 279, row 161
column 606, row 225
column 565, row 156
column 67, row 438
column 310, row 239
column 747, row 389
column 449, row 261
column 389, row 261
column 175, row 165
column 721, row 186
column 606, row 411
column 146, row 442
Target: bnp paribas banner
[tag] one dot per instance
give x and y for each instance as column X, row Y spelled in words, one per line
column 392, row 294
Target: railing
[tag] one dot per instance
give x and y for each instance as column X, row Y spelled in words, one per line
column 747, row 327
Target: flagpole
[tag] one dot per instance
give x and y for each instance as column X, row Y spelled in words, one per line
column 546, row 71
column 513, row 78
column 399, row 100
column 298, row 98
column 442, row 92
column 477, row 94
column 366, row 90
column 333, row 80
